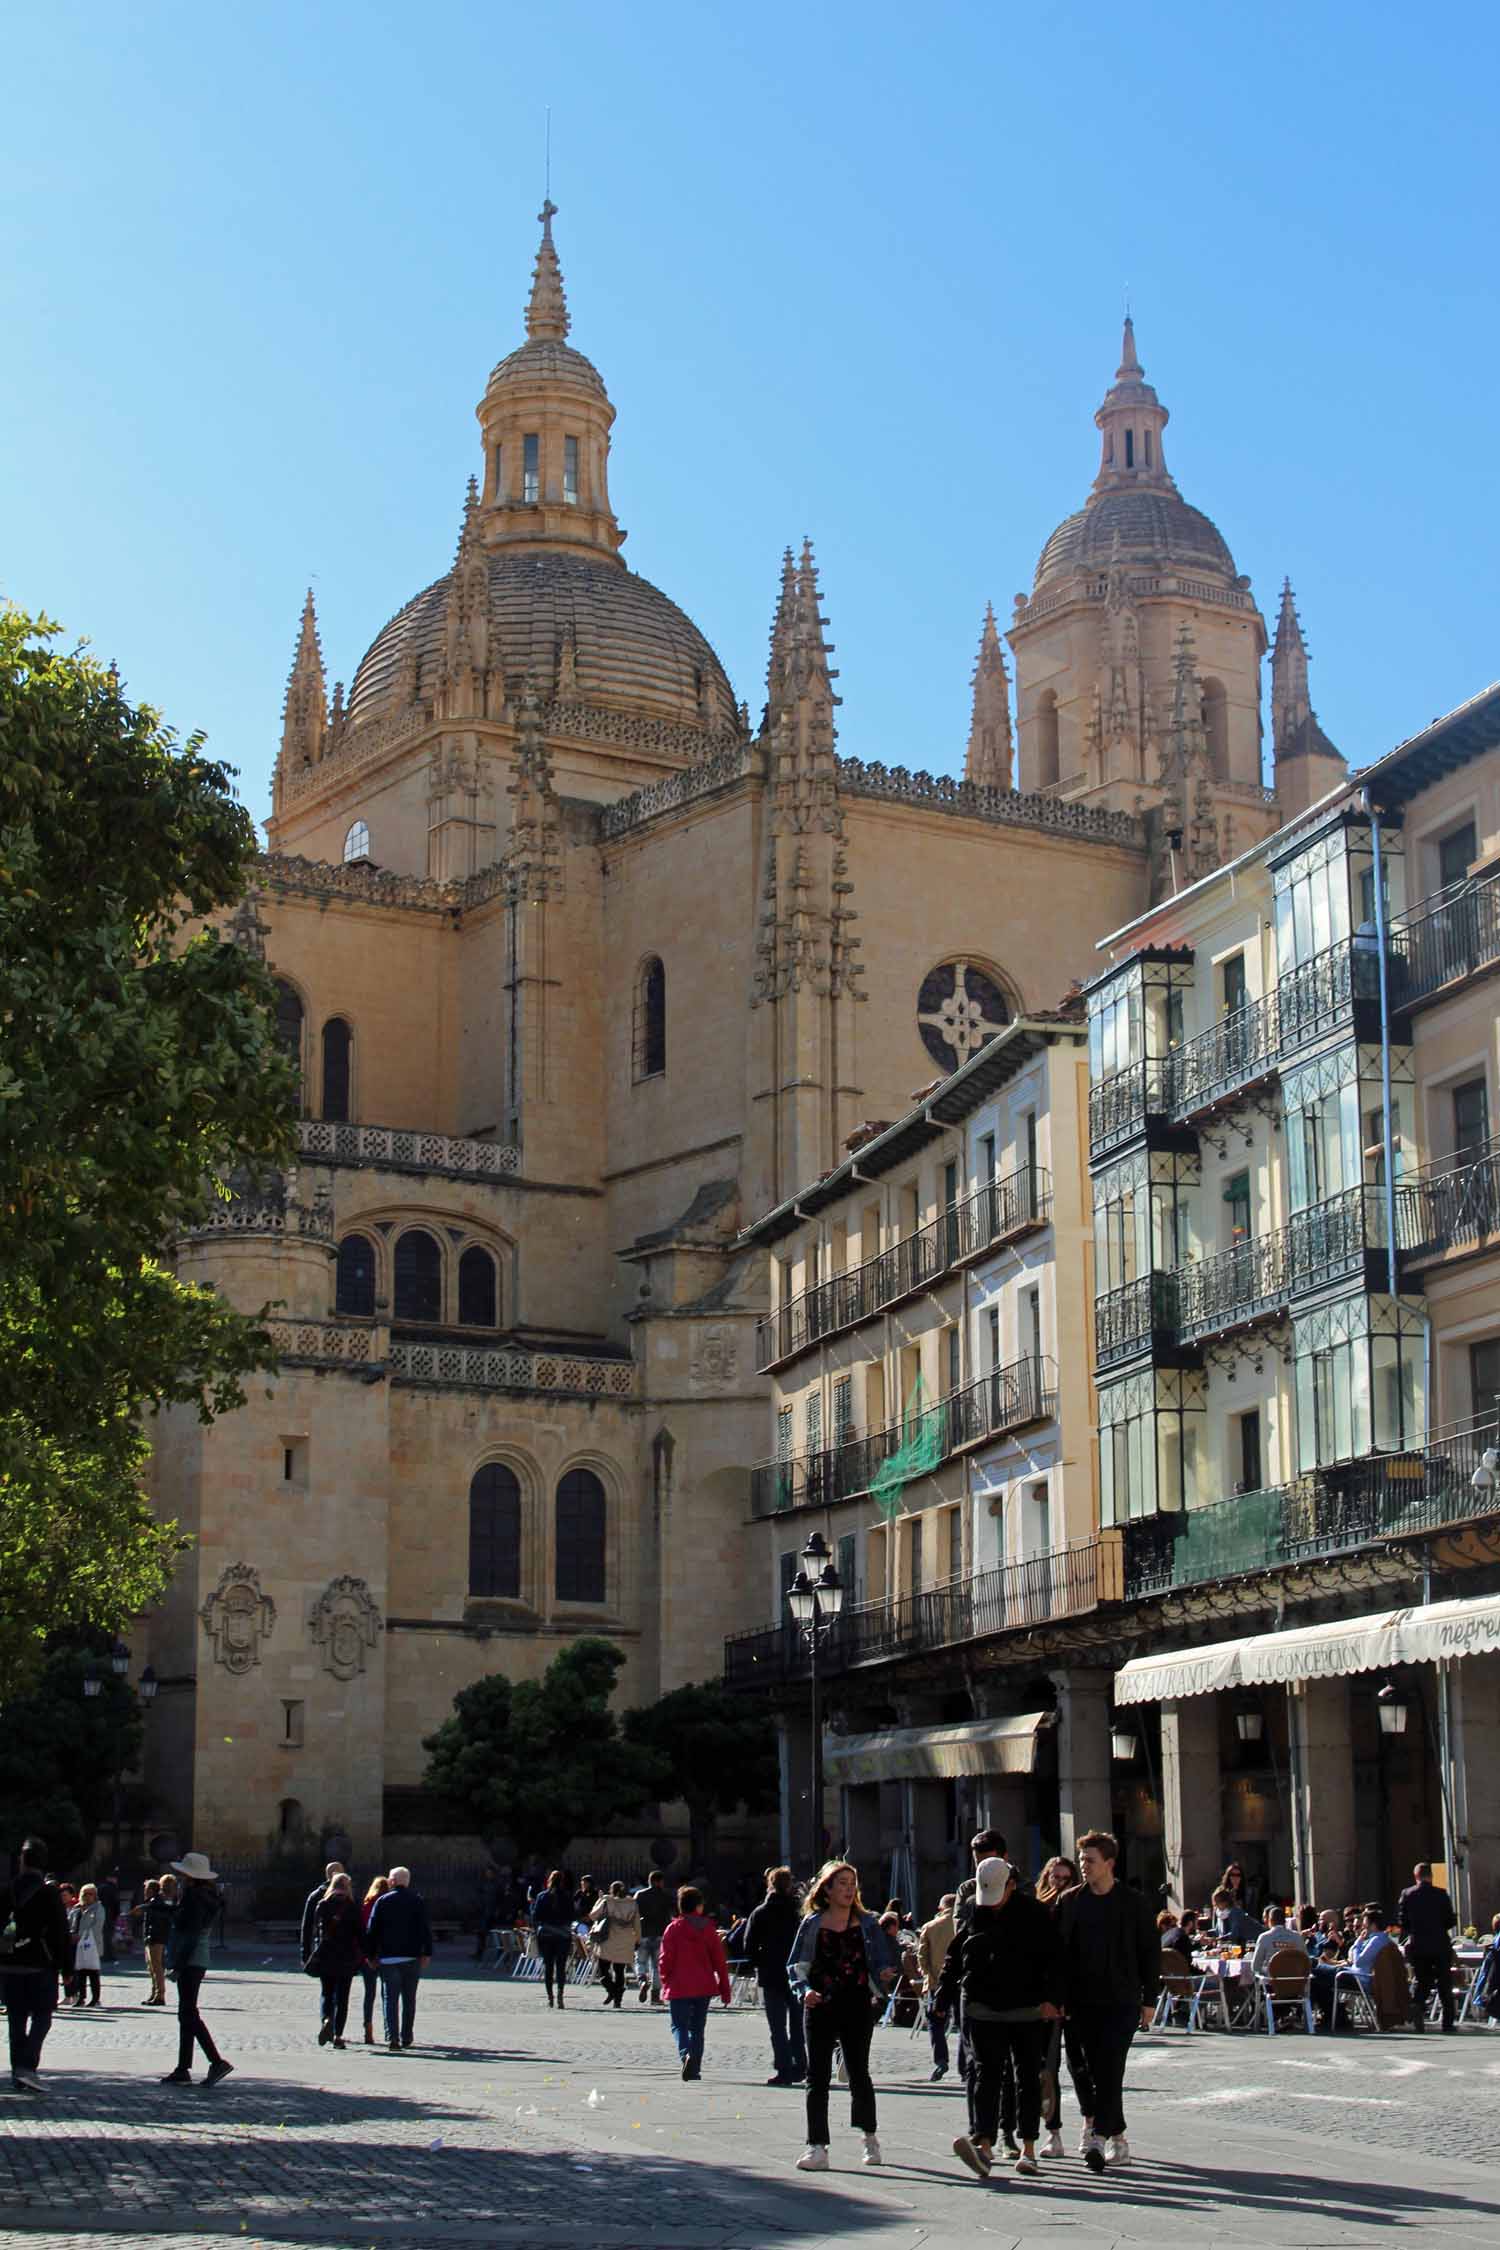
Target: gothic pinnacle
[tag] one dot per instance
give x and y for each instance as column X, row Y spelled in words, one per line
column 547, row 308
column 987, row 761
column 1129, row 369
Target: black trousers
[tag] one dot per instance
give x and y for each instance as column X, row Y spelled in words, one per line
column 1429, row 1970
column 30, row 2003
column 1098, row 2042
column 336, row 1991
column 850, row 2024
column 1006, row 2053
column 190, row 2024
column 612, row 1977
column 1052, row 2078
column 968, row 2072
column 557, row 1955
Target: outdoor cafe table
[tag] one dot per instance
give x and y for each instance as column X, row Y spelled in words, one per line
column 1238, row 1980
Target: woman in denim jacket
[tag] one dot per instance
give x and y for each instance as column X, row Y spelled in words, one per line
column 839, row 1965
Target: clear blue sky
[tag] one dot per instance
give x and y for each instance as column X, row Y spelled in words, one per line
column 856, row 271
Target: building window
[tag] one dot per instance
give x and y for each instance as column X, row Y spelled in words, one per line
column 955, row 1542
column 289, row 1029
column 354, row 1290
column 1036, row 1521
column 992, row 1323
column 477, row 1294
column 1471, row 1120
column 848, row 1564
column 531, row 468
column 1034, row 1323
column 580, row 1537
column 914, row 1555
column 495, row 1533
column 814, row 1421
column 357, row 843
column 1359, row 1365
column 1237, row 1208
column 651, row 1020
column 290, row 1817
column 1048, row 746
column 1130, row 449
column 294, row 1462
column 570, row 472
column 953, row 1371
column 1146, row 443
column 1251, row 1471
column 418, row 1289
column 338, row 1047
column 843, row 1409
column 498, row 487
column 1484, row 1380
column 788, row 1563
column 293, row 1716
column 1456, row 854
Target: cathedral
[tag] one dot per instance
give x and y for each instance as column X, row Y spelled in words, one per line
column 583, row 969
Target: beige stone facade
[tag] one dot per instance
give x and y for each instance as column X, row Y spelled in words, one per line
column 584, row 972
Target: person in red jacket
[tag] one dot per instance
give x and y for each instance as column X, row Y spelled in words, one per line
column 693, row 1969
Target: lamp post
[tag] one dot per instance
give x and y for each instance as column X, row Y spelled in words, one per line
column 93, row 1684
column 815, row 1598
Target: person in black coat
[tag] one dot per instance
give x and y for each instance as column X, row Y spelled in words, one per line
column 1112, row 1966
column 34, row 1924
column 1006, row 1967
column 769, row 1934
column 310, row 1905
column 337, row 1953
column 552, row 1928
column 1427, row 1918
column 398, row 1939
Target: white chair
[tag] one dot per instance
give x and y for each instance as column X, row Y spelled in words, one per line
column 1346, row 1986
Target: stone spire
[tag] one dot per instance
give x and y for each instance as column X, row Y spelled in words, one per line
column 304, row 721
column 1131, row 419
column 1307, row 764
column 988, row 759
column 533, row 857
column 1290, row 702
column 467, row 616
column 547, row 308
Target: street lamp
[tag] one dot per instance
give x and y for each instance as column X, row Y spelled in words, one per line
column 1250, row 1722
column 1391, row 1705
column 815, row 1598
column 1123, row 1745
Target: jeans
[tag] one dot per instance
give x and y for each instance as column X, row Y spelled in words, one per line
column 648, row 1965
column 846, row 2023
column 1001, row 2052
column 1427, row 1970
column 689, row 2017
column 371, row 1981
column 937, row 2033
column 30, row 1999
column 1098, row 2041
column 398, row 1994
column 156, row 1963
column 557, row 1954
column 784, row 2017
column 190, row 2024
column 336, row 1991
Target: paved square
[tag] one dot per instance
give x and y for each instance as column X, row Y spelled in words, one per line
column 486, row 2133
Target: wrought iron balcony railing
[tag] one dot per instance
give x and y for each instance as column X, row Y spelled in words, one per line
column 1235, row 1052
column 1011, row 1597
column 1319, row 996
column 1455, row 1206
column 1130, row 1320
column 1120, row 1104
column 994, row 1213
column 1449, row 936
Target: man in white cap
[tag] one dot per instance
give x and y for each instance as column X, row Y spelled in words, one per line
column 1006, row 1965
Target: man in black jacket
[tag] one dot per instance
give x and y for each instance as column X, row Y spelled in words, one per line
column 1112, row 1969
column 1426, row 1917
column 399, row 1943
column 656, row 1910
column 1006, row 1964
column 34, row 1938
column 769, row 1936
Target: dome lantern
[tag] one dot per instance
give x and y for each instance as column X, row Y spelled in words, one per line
column 1131, row 420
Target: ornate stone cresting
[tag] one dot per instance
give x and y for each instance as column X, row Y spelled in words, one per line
column 1011, row 808
column 266, row 1203
column 720, row 771
column 345, row 1624
column 532, row 861
column 1188, row 843
column 987, row 762
column 237, row 1617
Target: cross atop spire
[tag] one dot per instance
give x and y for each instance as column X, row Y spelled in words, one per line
column 547, row 308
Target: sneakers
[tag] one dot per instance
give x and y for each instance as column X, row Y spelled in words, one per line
column 325, row 2033
column 30, row 2080
column 1119, row 2151
column 341, row 2042
column 1091, row 2149
column 813, row 2159
column 1027, row 2166
column 975, row 2153
column 872, row 2150
column 1085, row 2136
column 1053, row 2144
column 177, row 2078
column 937, row 2078
column 217, row 2072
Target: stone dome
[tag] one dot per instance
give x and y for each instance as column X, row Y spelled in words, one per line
column 1153, row 525
column 546, row 359
column 632, row 649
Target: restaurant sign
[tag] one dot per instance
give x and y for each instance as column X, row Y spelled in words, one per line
column 1424, row 1635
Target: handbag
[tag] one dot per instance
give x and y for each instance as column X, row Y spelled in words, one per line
column 86, row 1956
column 313, row 1965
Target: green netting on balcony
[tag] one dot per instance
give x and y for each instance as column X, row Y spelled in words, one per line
column 1233, row 1535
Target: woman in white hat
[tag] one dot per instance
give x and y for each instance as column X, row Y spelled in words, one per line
column 187, row 1963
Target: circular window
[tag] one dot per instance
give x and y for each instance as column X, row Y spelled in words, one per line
column 959, row 1007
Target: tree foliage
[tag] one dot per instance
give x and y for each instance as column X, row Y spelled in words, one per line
column 713, row 1750
column 58, row 1750
column 138, row 1067
column 534, row 1763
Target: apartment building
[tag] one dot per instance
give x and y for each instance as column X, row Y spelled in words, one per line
column 1297, row 1332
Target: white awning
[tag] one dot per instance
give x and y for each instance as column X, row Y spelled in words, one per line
column 1315, row 1652
column 978, row 1746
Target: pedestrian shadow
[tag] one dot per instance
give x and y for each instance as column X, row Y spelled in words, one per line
column 105, row 2097
column 1209, row 2189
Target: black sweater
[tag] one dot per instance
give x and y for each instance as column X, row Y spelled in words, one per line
column 1009, row 1958
column 1111, row 1948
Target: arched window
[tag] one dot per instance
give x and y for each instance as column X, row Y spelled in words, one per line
column 357, row 842
column 338, row 1046
column 354, row 1291
column 1048, row 763
column 476, row 1290
column 651, row 1020
column 418, row 1274
column 289, row 1028
column 580, row 1537
column 1216, row 728
column 495, row 1533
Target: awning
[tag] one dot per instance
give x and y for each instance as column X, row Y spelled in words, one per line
column 978, row 1746
column 1315, row 1652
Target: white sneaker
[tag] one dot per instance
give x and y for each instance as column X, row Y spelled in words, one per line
column 1119, row 2150
column 1052, row 2145
column 1086, row 2137
column 872, row 2150
column 813, row 2159
column 1092, row 2151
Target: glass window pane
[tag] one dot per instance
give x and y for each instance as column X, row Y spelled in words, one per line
column 580, row 1537
column 355, row 1285
column 477, row 1307
column 418, row 1269
column 495, row 1533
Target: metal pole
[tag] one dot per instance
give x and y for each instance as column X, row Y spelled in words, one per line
column 814, row 1637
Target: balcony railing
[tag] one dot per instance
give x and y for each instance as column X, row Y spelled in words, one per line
column 1319, row 995
column 1453, row 1207
column 1235, row 1052
column 1127, row 1321
column 1120, row 1104
column 1239, row 1285
column 994, row 1213
column 1449, row 936
column 1012, row 1597
column 1355, row 1504
column 1006, row 1399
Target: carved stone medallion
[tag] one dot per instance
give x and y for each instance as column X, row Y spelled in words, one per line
column 344, row 1623
column 237, row 1617
column 716, row 1358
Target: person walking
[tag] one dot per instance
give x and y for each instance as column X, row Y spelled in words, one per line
column 88, row 1924
column 656, row 1912
column 1112, row 1975
column 585, row 1900
column 310, row 1905
column 187, row 1962
column 109, row 1899
column 769, row 1935
column 33, row 1947
column 840, row 1962
column 1008, row 1966
column 156, row 1928
column 398, row 1939
column 552, row 1927
column 1426, row 1917
column 337, row 1952
column 615, row 1931
column 987, row 1844
column 933, row 1941
column 693, row 1968
column 369, row 1973
column 1057, row 1878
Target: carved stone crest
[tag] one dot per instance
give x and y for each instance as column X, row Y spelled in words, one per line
column 344, row 1623
column 237, row 1617
column 716, row 1358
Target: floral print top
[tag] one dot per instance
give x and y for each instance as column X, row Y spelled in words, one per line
column 839, row 1966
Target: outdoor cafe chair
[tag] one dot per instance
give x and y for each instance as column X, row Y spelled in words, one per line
column 1287, row 1984
column 1184, row 1986
column 1361, row 2009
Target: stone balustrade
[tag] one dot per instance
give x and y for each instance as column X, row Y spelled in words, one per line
column 396, row 1148
column 481, row 1367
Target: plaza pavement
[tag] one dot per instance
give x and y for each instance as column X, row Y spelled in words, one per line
column 485, row 2134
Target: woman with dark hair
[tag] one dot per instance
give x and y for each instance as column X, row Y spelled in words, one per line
column 1058, row 1877
column 615, row 1931
column 552, row 1927
column 370, row 1976
column 693, row 1968
column 338, row 1953
column 187, row 1964
column 841, row 1960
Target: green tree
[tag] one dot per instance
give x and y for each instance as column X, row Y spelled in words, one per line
column 57, row 1753
column 713, row 1750
column 138, row 1068
column 535, row 1763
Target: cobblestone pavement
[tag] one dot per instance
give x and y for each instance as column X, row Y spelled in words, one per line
column 488, row 2132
